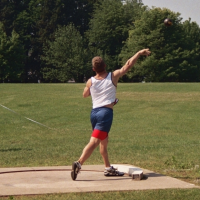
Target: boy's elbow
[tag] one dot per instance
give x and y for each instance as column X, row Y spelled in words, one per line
column 85, row 95
column 86, row 92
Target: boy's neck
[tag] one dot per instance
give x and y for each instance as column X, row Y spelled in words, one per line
column 101, row 75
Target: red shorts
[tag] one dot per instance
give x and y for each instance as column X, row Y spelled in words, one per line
column 102, row 135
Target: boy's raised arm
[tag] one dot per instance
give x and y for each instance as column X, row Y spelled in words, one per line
column 130, row 62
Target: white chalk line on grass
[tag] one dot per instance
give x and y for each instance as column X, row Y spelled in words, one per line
column 26, row 117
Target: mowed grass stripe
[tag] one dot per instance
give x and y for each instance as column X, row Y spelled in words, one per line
column 169, row 194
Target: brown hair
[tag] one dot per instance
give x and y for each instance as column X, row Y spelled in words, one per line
column 98, row 64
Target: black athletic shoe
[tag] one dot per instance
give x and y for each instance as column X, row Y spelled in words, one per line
column 113, row 172
column 76, row 166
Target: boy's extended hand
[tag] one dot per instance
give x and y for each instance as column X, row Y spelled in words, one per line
column 144, row 52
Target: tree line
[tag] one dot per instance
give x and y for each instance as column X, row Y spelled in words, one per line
column 55, row 40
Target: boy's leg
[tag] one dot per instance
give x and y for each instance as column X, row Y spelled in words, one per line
column 87, row 151
column 89, row 148
column 104, row 152
column 109, row 170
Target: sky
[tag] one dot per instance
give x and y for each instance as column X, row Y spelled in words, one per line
column 187, row 8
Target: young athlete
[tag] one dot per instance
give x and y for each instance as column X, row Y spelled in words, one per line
column 102, row 89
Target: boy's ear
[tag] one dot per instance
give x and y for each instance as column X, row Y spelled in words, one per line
column 93, row 69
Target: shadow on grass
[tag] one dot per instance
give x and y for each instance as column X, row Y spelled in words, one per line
column 14, row 149
column 145, row 177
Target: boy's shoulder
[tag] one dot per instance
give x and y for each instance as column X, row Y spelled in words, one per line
column 89, row 83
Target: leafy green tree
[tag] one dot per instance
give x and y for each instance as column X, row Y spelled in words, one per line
column 172, row 55
column 66, row 54
column 47, row 15
column 190, row 63
column 16, row 15
column 8, row 13
column 11, row 56
column 36, row 21
column 192, row 31
column 109, row 26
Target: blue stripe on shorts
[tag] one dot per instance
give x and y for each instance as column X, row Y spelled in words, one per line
column 101, row 118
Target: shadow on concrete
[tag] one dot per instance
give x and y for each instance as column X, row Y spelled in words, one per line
column 109, row 179
column 153, row 175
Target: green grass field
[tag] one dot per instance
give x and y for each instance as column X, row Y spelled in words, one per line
column 156, row 126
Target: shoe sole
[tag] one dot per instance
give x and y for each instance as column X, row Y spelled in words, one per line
column 113, row 175
column 73, row 172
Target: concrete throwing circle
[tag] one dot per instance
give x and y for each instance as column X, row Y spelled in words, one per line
column 44, row 180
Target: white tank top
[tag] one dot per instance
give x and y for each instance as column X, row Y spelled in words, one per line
column 103, row 91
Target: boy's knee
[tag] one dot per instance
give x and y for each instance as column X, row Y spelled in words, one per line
column 93, row 144
column 103, row 150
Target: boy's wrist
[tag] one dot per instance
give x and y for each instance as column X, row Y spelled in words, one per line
column 139, row 53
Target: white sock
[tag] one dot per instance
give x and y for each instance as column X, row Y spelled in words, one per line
column 79, row 164
column 107, row 168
